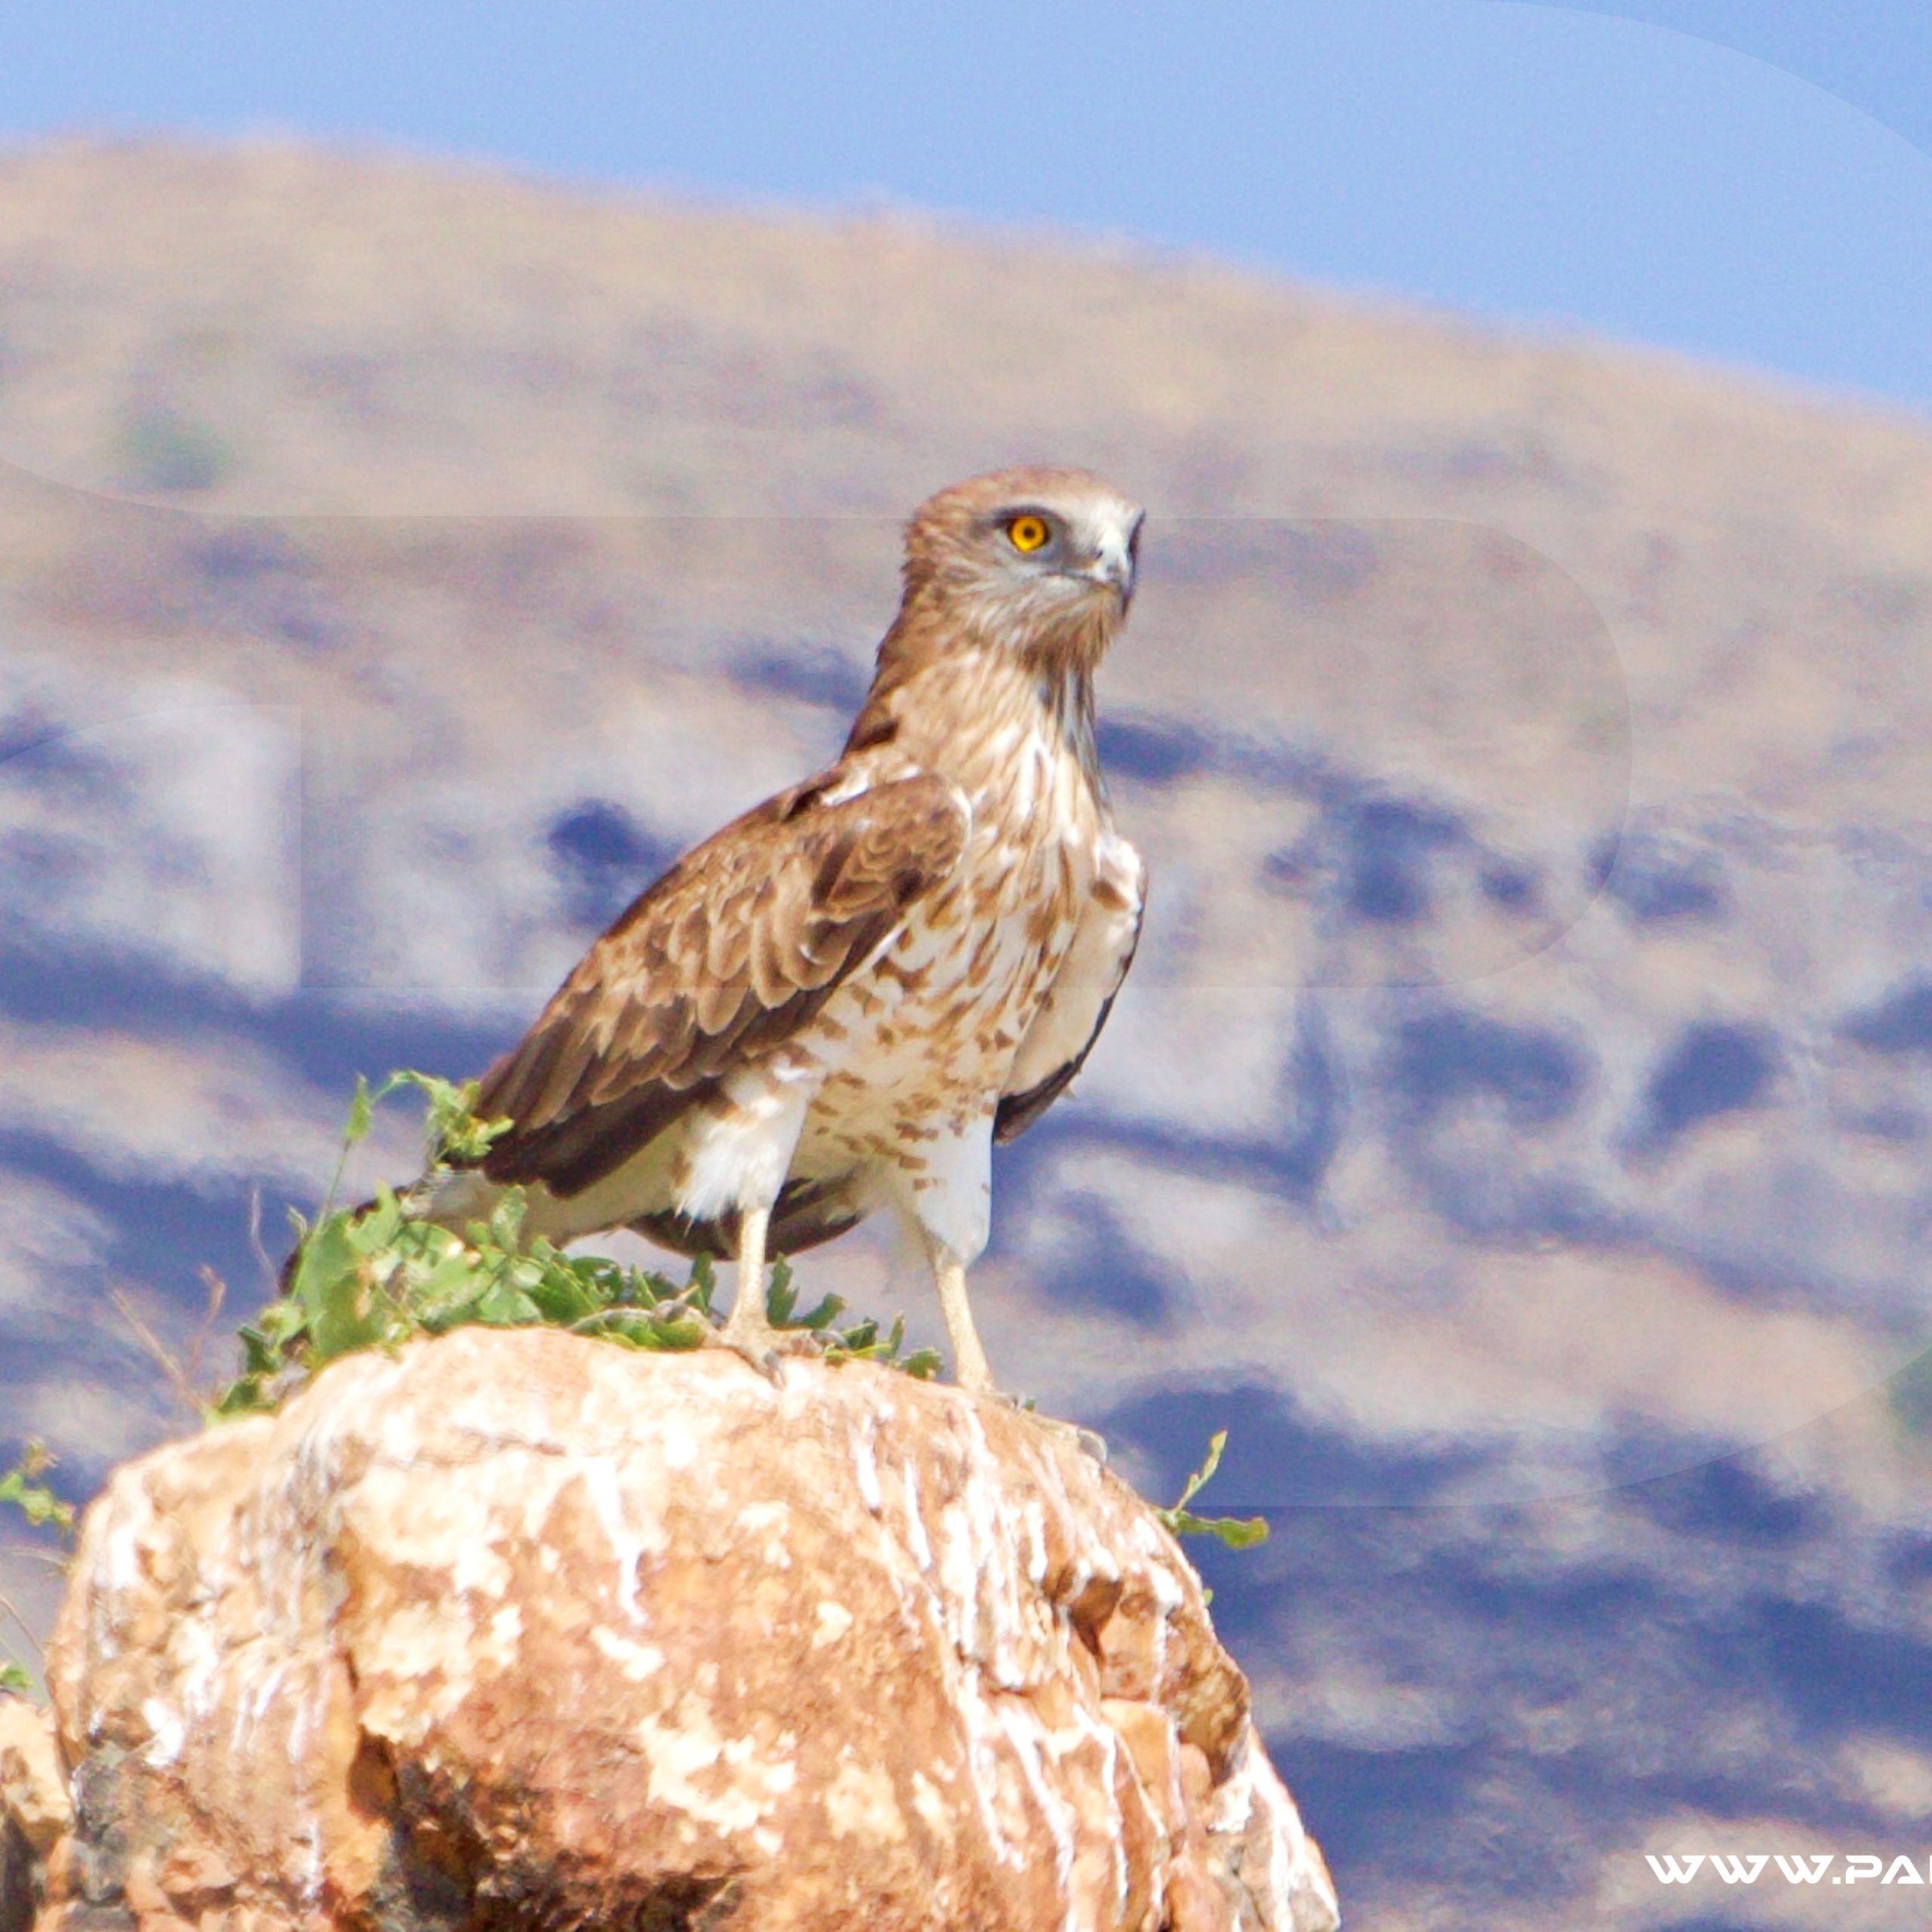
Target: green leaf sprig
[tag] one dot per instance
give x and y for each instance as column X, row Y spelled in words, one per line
column 1236, row 1532
column 24, row 1487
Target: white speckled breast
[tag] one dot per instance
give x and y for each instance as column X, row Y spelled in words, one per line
column 918, row 1048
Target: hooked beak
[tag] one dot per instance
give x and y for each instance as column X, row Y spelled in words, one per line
column 1113, row 564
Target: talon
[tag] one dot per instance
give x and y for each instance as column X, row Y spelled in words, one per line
column 755, row 1349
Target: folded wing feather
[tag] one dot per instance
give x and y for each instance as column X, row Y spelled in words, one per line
column 723, row 960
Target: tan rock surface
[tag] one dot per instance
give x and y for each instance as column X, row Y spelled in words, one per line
column 523, row 1629
column 36, row 1813
column 33, row 1791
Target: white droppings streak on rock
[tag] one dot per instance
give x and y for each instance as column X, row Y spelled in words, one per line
column 1232, row 1801
column 312, row 1871
column 629, row 1545
column 777, row 1517
column 860, row 1803
column 1088, row 1728
column 981, row 1762
column 915, row 1521
column 421, row 1660
column 833, row 1620
column 300, row 1720
column 315, row 1461
column 255, row 1696
column 1027, row 1735
column 429, row 1525
column 959, row 1575
column 416, row 1668
column 865, row 1465
column 526, row 1487
column 120, row 1560
column 1168, row 1596
column 498, row 1419
column 930, row 1802
column 1283, row 1854
column 1033, row 1526
column 505, row 1627
column 637, row 1661
column 168, row 1733
column 198, row 1660
column 681, row 1752
column 1015, row 1629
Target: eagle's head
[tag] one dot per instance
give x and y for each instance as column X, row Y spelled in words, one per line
column 1037, row 561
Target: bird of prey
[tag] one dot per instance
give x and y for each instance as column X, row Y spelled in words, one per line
column 839, row 1002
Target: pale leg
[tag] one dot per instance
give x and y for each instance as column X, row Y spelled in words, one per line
column 749, row 1330
column 950, row 1202
column 738, row 1151
column 969, row 1367
column 971, row 1370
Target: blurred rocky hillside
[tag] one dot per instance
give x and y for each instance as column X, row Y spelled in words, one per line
column 1521, row 1104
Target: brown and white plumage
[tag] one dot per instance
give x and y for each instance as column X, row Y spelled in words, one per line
column 837, row 1003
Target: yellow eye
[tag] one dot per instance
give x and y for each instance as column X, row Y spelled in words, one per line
column 1027, row 533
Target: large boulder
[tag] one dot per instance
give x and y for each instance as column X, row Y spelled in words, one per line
column 522, row 1629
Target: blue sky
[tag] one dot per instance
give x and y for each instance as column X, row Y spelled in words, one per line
column 1747, row 180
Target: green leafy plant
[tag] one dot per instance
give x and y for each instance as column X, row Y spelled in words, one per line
column 24, row 1487
column 374, row 1277
column 1236, row 1532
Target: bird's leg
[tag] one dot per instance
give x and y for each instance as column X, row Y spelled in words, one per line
column 971, row 1370
column 749, row 1332
column 969, row 1360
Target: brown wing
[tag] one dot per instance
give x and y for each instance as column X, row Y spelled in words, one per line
column 726, row 956
column 1082, row 994
column 1017, row 1113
